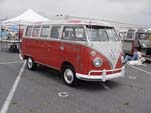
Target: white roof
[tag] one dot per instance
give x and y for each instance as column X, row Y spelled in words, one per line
column 28, row 16
column 76, row 20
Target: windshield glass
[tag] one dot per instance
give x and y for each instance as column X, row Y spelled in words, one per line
column 103, row 34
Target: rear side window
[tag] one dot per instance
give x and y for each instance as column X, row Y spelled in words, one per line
column 55, row 30
column 28, row 31
column 45, row 31
column 68, row 33
column 74, row 33
column 80, row 34
column 36, row 31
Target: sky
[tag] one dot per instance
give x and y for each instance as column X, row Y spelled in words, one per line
column 126, row 11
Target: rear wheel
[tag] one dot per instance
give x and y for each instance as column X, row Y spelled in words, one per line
column 31, row 64
column 68, row 74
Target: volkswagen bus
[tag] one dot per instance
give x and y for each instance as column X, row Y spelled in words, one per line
column 79, row 48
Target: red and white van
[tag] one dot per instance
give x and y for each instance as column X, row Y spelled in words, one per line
column 79, row 48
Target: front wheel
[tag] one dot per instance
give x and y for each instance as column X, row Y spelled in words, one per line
column 31, row 64
column 69, row 77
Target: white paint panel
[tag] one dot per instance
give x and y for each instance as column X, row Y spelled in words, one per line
column 111, row 50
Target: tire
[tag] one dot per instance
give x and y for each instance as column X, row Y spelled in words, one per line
column 31, row 64
column 68, row 74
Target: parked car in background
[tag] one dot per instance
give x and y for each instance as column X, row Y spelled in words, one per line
column 138, row 38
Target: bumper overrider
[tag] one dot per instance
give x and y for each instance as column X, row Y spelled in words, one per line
column 103, row 76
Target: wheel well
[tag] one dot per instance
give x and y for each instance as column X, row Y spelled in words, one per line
column 66, row 63
column 25, row 56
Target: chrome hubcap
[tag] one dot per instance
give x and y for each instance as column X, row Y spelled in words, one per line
column 69, row 76
column 30, row 63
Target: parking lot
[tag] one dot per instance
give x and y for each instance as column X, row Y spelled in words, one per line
column 43, row 91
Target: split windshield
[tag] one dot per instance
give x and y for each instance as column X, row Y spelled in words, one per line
column 103, row 34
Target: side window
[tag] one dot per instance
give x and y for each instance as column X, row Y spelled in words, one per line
column 80, row 34
column 68, row 33
column 28, row 31
column 130, row 35
column 36, row 31
column 74, row 33
column 45, row 31
column 55, row 30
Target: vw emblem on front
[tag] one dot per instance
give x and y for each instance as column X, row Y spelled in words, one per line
column 112, row 54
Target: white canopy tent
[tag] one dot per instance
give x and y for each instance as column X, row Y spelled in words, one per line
column 27, row 17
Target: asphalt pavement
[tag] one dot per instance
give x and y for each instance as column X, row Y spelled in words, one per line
column 43, row 91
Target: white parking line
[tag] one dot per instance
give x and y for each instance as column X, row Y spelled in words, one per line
column 141, row 70
column 11, row 62
column 8, row 100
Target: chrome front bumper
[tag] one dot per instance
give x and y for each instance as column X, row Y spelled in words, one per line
column 102, row 77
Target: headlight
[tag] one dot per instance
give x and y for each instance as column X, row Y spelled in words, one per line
column 97, row 62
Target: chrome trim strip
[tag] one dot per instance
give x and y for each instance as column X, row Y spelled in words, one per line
column 48, row 65
column 83, row 43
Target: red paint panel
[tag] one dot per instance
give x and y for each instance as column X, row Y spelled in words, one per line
column 132, row 47
column 87, row 61
column 54, row 53
column 119, row 62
